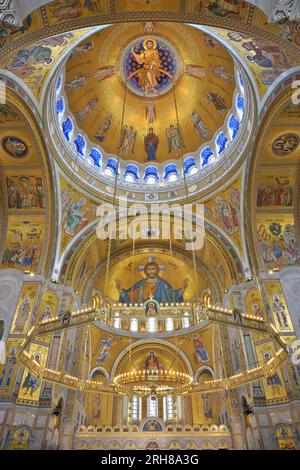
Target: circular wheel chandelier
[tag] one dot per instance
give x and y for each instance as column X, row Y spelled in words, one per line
column 157, row 382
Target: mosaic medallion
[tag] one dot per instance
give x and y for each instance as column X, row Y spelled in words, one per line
column 14, row 146
column 151, row 66
column 285, row 144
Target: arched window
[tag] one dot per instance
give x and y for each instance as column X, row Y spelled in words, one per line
column 152, row 324
column 111, row 167
column 186, row 320
column 67, row 127
column 221, row 142
column 234, row 126
column 206, row 156
column 109, row 172
column 241, row 82
column 169, row 408
column 58, row 85
column 169, row 324
column 131, row 174
column 60, row 106
column 151, row 175
column 98, row 375
column 189, row 166
column 135, row 408
column 129, row 178
column 171, row 173
column 134, row 325
column 80, row 144
column 152, row 407
column 240, row 105
column 117, row 321
column 96, row 157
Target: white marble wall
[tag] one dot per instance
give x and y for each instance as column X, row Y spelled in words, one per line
column 10, row 287
column 290, row 281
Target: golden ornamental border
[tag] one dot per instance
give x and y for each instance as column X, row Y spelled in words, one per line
column 274, row 107
column 180, row 17
column 16, row 99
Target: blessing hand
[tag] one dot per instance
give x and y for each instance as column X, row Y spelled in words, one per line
column 118, row 285
column 185, row 285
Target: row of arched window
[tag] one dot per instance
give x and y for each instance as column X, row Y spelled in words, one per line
column 151, row 175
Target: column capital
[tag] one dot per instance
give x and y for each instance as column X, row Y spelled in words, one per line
column 8, row 13
column 286, row 10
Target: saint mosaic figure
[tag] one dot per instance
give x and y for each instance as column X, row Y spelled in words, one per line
column 200, row 349
column 77, row 82
column 75, row 217
column 150, row 112
column 281, row 313
column 220, row 72
column 104, row 128
column 31, row 383
column 195, row 71
column 23, row 315
column 200, row 126
column 104, row 72
column 218, row 102
column 86, row 110
column 151, row 143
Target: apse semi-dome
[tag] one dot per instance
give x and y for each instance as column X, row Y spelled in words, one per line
column 149, row 112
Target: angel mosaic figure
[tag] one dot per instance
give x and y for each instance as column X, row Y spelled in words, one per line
column 127, row 141
column 103, row 349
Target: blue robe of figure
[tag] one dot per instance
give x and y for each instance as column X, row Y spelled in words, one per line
column 151, row 152
column 202, row 354
column 164, row 293
column 151, row 144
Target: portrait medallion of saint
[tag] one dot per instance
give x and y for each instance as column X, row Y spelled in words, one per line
column 285, row 144
column 14, row 146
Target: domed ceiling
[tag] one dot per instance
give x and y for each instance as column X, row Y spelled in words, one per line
column 161, row 105
column 174, row 74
